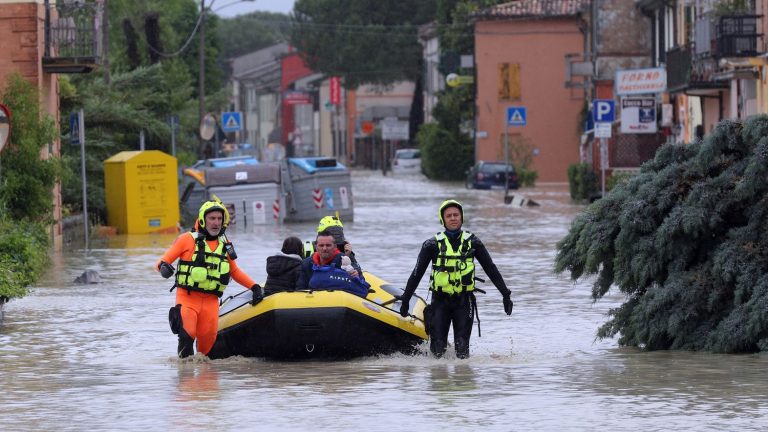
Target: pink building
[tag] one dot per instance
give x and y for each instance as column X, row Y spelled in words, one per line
column 520, row 53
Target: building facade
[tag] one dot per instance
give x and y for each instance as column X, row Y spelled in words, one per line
column 520, row 55
column 714, row 53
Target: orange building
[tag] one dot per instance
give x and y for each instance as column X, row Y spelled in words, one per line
column 520, row 53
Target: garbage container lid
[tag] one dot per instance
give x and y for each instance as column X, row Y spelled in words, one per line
column 315, row 164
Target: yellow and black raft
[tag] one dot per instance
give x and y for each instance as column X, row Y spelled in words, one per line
column 320, row 324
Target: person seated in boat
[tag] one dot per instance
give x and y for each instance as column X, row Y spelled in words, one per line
column 328, row 269
column 283, row 268
column 206, row 263
column 333, row 225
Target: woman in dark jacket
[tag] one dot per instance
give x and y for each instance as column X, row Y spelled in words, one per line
column 283, row 268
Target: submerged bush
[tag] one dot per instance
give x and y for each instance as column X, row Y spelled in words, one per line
column 582, row 181
column 686, row 240
column 23, row 256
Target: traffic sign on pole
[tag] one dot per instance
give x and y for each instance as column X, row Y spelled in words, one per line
column 517, row 116
column 603, row 110
column 74, row 129
column 231, row 121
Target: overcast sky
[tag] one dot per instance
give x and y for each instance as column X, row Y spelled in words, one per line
column 243, row 7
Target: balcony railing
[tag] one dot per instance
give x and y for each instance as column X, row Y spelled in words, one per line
column 72, row 36
column 727, row 36
column 686, row 71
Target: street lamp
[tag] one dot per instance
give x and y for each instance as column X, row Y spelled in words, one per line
column 201, row 72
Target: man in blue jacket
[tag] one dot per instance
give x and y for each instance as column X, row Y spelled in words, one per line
column 323, row 269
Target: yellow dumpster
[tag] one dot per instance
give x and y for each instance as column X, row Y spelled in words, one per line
column 142, row 192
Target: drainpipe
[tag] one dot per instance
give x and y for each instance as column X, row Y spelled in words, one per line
column 593, row 39
column 47, row 28
column 719, row 105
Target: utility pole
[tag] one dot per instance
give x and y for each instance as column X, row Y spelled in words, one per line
column 105, row 42
column 201, row 74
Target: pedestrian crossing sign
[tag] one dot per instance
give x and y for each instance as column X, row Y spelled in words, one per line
column 231, row 121
column 516, row 116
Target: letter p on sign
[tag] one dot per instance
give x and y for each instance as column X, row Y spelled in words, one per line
column 603, row 110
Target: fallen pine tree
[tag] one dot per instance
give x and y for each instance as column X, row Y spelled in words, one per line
column 686, row 241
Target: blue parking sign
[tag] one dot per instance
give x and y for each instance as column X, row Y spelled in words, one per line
column 603, row 110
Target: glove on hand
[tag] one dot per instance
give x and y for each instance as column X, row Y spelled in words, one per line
column 508, row 304
column 166, row 270
column 404, row 306
column 258, row 294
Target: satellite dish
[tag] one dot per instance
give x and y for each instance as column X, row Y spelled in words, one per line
column 5, row 126
column 207, row 127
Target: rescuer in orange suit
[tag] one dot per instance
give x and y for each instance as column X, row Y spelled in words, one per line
column 206, row 264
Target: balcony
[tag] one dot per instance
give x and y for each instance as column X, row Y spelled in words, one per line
column 727, row 36
column 72, row 36
column 690, row 74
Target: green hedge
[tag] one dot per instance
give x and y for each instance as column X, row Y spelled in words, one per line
column 26, row 189
column 23, row 257
column 582, row 181
column 444, row 155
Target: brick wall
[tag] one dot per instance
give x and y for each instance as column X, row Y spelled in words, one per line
column 22, row 44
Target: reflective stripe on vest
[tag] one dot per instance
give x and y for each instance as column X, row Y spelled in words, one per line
column 453, row 271
column 207, row 272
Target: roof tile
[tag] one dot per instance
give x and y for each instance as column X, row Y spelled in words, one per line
column 535, row 9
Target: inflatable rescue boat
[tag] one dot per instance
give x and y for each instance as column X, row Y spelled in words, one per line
column 319, row 324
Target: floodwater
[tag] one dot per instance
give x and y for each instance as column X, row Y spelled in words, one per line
column 101, row 357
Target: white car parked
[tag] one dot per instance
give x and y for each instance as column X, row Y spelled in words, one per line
column 407, row 161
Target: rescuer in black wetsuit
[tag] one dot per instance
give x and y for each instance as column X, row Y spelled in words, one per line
column 452, row 281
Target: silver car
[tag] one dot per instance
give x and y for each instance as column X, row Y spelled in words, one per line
column 406, row 161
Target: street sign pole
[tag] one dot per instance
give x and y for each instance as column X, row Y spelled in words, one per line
column 173, row 136
column 81, row 128
column 603, row 164
column 216, row 134
column 506, row 157
column 603, row 116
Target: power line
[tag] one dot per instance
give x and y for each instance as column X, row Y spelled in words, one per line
column 186, row 43
column 407, row 29
column 381, row 30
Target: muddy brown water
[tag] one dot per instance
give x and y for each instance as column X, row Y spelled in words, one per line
column 101, row 357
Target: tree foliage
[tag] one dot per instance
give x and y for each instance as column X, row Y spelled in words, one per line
column 686, row 240
column 445, row 156
column 26, row 189
column 144, row 89
column 363, row 41
column 447, row 149
column 115, row 115
column 244, row 34
column 455, row 26
column 26, row 185
column 449, row 141
column 582, row 181
column 176, row 23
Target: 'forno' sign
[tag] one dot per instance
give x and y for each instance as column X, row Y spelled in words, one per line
column 641, row 81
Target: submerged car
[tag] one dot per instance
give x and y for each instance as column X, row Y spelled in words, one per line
column 491, row 175
column 406, row 161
